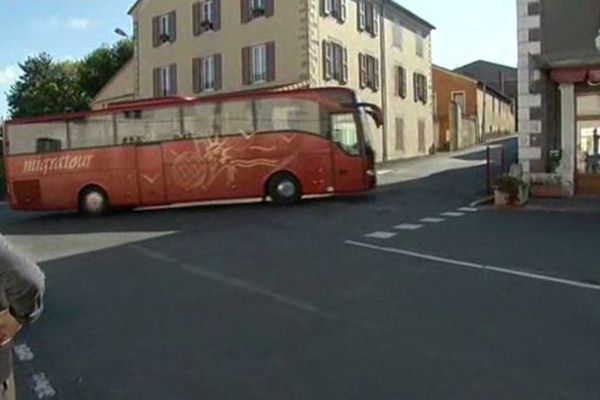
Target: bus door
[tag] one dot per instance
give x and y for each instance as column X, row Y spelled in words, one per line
column 151, row 176
column 349, row 165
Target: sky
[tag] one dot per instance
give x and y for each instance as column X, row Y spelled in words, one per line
column 467, row 30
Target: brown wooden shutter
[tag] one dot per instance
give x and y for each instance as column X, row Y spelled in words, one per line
column 216, row 17
column 416, row 86
column 325, row 8
column 218, row 72
column 156, row 82
column 173, row 26
column 362, row 62
column 344, row 65
column 245, row 10
column 173, row 79
column 271, row 62
column 196, row 11
column 270, row 8
column 246, row 70
column 425, row 90
column 197, row 74
column 326, row 60
column 343, row 11
column 361, row 9
column 404, row 82
column 375, row 74
column 156, row 31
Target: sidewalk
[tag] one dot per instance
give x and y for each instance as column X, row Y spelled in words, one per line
column 581, row 205
column 398, row 171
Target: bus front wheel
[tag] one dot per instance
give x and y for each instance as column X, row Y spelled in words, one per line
column 284, row 189
column 93, row 201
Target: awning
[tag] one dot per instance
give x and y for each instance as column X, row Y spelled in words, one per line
column 576, row 75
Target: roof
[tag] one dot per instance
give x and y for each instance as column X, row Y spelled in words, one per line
column 489, row 73
column 410, row 14
column 480, row 84
column 134, row 6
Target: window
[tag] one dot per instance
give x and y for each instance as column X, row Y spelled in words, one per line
column 207, row 73
column 207, row 16
column 335, row 62
column 421, row 89
column 369, row 72
column 368, row 17
column 236, row 118
column 336, row 9
column 258, row 63
column 420, row 44
column 398, row 34
column 401, row 82
column 32, row 138
column 94, row 131
column 344, row 133
column 200, row 120
column 164, row 29
column 165, row 81
column 47, row 145
column 459, row 99
column 155, row 125
column 289, row 114
column 400, row 134
column 252, row 9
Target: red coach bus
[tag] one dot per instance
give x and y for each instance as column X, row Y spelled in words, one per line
column 282, row 145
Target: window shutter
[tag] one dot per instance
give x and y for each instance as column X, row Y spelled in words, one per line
column 218, row 71
column 326, row 7
column 173, row 79
column 173, row 26
column 425, row 90
column 246, row 70
column 271, row 61
column 157, row 85
column 375, row 23
column 327, row 61
column 343, row 10
column 344, row 65
column 362, row 62
column 197, row 74
column 156, row 31
column 196, row 18
column 270, row 8
column 361, row 15
column 375, row 74
column 216, row 17
column 416, row 86
column 399, row 134
column 245, row 9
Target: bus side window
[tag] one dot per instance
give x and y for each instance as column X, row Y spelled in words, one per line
column 47, row 145
column 236, row 118
column 95, row 131
column 200, row 120
column 288, row 114
column 344, row 133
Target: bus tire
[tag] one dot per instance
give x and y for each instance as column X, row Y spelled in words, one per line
column 93, row 201
column 284, row 189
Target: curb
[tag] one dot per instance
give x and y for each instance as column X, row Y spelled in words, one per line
column 482, row 201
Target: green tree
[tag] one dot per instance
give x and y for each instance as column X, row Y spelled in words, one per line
column 46, row 87
column 102, row 64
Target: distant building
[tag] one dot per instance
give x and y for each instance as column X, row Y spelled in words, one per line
column 376, row 47
column 467, row 111
column 559, row 91
column 501, row 78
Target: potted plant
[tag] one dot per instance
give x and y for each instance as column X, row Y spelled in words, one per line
column 510, row 191
column 547, row 186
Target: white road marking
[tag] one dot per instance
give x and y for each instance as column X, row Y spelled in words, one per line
column 432, row 220
column 42, row 387
column 381, row 235
column 452, row 214
column 466, row 264
column 23, row 352
column 408, row 227
column 468, row 209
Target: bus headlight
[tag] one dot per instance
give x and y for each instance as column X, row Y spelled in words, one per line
column 370, row 172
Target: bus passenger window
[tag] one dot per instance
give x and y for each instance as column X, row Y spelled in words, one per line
column 344, row 133
column 46, row 145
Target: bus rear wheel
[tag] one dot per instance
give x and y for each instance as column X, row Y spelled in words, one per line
column 93, row 201
column 284, row 189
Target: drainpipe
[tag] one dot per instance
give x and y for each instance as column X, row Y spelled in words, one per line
column 384, row 81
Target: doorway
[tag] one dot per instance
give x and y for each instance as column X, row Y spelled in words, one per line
column 587, row 177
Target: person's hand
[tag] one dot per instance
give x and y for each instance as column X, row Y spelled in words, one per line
column 9, row 327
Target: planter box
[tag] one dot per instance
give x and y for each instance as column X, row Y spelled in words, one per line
column 549, row 192
column 503, row 199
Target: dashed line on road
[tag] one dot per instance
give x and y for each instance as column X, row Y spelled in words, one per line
column 23, row 352
column 468, row 209
column 466, row 264
column 408, row 227
column 380, row 235
column 42, row 387
column 453, row 214
column 431, row 220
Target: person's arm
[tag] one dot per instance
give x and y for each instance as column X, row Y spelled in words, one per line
column 23, row 284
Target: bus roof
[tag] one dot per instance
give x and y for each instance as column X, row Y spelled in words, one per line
column 151, row 103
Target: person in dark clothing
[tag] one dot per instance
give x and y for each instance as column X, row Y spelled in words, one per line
column 22, row 286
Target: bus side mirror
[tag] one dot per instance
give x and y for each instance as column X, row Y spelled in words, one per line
column 374, row 111
column 377, row 117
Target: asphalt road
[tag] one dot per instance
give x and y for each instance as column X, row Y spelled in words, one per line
column 260, row 302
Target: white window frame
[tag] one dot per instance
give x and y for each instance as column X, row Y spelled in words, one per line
column 165, row 78
column 420, row 45
column 258, row 4
column 259, row 67
column 362, row 14
column 206, row 13
column 399, row 34
column 165, row 26
column 209, row 74
column 464, row 97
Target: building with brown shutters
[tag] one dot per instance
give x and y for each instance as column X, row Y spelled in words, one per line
column 480, row 111
column 377, row 47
